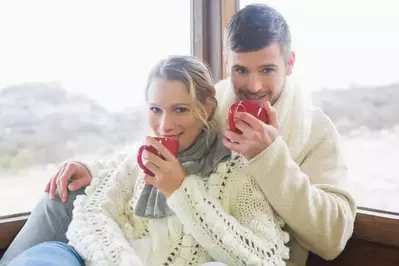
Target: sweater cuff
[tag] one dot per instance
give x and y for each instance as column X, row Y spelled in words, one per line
column 177, row 199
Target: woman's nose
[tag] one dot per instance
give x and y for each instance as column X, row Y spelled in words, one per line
column 167, row 123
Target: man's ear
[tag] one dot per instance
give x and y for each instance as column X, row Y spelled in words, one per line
column 226, row 52
column 225, row 63
column 290, row 63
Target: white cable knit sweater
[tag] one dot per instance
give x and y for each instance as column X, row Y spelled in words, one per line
column 224, row 217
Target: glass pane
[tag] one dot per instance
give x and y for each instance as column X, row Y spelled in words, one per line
column 72, row 74
column 347, row 54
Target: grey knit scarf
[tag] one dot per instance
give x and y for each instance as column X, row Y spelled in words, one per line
column 200, row 158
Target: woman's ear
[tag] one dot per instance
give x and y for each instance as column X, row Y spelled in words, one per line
column 210, row 107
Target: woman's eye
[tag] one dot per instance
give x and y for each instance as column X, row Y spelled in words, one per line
column 155, row 109
column 181, row 110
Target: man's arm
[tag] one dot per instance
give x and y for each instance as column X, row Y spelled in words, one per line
column 310, row 197
column 100, row 168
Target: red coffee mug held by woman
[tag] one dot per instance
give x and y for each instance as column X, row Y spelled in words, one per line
column 172, row 144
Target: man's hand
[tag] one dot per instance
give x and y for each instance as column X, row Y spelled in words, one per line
column 256, row 136
column 75, row 171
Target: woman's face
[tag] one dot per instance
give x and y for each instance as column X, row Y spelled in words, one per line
column 171, row 112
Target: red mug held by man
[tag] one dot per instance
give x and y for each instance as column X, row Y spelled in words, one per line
column 250, row 107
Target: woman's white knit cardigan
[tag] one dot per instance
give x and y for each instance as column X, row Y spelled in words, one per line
column 224, row 217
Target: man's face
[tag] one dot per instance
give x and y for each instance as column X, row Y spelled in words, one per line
column 260, row 75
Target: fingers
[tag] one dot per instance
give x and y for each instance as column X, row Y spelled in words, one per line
column 81, row 175
column 54, row 177
column 244, row 128
column 272, row 133
column 234, row 137
column 153, row 168
column 236, row 147
column 60, row 181
column 63, row 179
column 151, row 157
column 151, row 180
column 272, row 115
column 77, row 184
column 47, row 189
column 161, row 149
column 252, row 121
column 243, row 144
column 53, row 182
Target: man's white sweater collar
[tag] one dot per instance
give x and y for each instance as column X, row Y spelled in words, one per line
column 294, row 109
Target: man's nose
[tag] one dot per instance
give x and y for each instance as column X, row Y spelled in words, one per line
column 254, row 83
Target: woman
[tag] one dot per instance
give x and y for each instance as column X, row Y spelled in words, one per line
column 198, row 208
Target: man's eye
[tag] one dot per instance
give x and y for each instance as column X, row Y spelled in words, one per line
column 241, row 70
column 155, row 109
column 267, row 70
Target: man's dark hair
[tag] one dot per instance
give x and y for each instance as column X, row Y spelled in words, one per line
column 255, row 27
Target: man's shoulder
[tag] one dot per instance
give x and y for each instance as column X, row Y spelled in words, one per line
column 324, row 134
column 322, row 125
column 222, row 83
column 221, row 87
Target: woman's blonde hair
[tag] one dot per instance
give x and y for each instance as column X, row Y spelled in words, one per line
column 195, row 75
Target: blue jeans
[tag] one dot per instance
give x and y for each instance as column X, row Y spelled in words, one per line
column 58, row 253
column 48, row 221
column 48, row 254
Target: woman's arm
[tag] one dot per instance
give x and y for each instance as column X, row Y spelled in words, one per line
column 98, row 218
column 251, row 235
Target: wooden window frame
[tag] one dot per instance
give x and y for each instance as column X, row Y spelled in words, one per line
column 10, row 225
column 375, row 241
column 209, row 19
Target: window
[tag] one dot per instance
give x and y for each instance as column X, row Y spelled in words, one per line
column 347, row 54
column 72, row 77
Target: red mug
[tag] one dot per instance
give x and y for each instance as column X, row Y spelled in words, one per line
column 172, row 144
column 250, row 107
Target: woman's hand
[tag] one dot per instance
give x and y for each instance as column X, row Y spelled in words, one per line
column 169, row 173
column 75, row 171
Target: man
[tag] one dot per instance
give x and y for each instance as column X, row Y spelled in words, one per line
column 296, row 159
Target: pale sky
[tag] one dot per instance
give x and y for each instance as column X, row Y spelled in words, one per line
column 105, row 48
column 343, row 42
